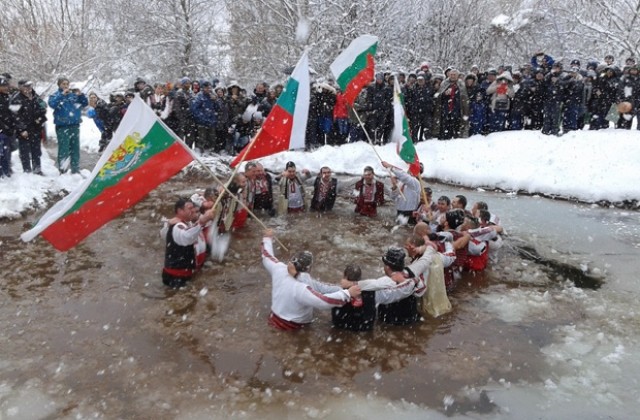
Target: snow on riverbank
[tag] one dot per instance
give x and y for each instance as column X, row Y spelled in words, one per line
column 588, row 165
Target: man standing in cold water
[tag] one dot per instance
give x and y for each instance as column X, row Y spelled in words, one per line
column 186, row 248
column 294, row 293
column 369, row 194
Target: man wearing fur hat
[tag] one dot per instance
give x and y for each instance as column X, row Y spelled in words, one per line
column 397, row 291
column 294, row 293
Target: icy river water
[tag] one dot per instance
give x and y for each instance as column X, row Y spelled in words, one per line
column 550, row 332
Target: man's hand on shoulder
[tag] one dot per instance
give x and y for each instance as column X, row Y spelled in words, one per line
column 355, row 291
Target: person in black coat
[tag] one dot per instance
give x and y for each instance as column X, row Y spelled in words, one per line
column 553, row 95
column 30, row 115
column 421, row 111
column 379, row 108
column 325, row 190
column 573, row 100
column 7, row 128
column 534, row 99
column 629, row 91
column 187, row 128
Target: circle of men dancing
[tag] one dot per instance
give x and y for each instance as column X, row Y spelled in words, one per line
column 446, row 240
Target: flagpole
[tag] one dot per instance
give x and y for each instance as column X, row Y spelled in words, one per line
column 422, row 192
column 215, row 177
column 235, row 170
column 237, row 199
column 372, row 146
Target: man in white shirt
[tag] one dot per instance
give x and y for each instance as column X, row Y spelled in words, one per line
column 294, row 293
column 186, row 248
column 292, row 189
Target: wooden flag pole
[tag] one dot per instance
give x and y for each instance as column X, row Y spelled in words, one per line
column 235, row 170
column 252, row 214
column 224, row 186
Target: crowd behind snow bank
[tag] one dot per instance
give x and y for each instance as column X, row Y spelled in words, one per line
column 588, row 165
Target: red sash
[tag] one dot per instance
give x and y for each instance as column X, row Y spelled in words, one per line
column 282, row 324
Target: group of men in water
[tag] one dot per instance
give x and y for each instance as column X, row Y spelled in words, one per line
column 446, row 240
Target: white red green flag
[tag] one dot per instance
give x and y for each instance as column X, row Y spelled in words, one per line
column 285, row 127
column 142, row 154
column 401, row 135
column 354, row 67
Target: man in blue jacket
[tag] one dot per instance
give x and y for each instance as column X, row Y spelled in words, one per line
column 67, row 107
column 205, row 113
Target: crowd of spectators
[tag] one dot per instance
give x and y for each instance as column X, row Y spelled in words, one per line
column 543, row 94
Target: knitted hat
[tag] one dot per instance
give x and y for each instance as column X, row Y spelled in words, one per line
column 394, row 258
column 302, row 261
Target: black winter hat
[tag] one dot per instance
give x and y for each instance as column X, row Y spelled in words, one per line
column 455, row 218
column 302, row 261
column 394, row 258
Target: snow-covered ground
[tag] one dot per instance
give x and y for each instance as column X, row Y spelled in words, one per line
column 587, row 165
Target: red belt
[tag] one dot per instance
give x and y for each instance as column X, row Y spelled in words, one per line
column 179, row 272
column 283, row 324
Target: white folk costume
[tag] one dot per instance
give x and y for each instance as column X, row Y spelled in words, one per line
column 293, row 299
column 409, row 187
column 292, row 195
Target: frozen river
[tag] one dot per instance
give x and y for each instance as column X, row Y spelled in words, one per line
column 549, row 332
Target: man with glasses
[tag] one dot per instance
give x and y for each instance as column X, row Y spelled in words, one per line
column 325, row 190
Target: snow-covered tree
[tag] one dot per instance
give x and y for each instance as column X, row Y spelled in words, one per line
column 252, row 40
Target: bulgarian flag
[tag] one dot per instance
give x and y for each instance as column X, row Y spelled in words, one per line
column 142, row 154
column 285, row 127
column 400, row 134
column 354, row 67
